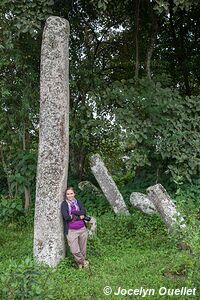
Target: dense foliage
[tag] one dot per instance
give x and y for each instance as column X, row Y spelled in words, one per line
column 134, row 86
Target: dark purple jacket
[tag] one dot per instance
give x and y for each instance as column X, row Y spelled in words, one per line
column 65, row 214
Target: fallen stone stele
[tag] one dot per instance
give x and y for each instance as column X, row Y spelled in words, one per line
column 165, row 207
column 108, row 185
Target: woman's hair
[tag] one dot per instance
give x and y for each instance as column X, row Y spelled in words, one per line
column 70, row 188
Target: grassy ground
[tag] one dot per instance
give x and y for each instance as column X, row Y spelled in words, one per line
column 132, row 253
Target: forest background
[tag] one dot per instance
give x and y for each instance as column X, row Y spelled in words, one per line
column 134, row 98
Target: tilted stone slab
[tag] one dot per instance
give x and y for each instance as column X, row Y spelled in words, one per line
column 53, row 143
column 108, row 185
column 141, row 202
column 165, row 206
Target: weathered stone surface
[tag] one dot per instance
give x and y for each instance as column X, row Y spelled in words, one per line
column 165, row 206
column 89, row 187
column 141, row 202
column 53, row 142
column 92, row 227
column 108, row 185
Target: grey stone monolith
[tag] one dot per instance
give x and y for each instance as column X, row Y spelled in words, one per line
column 165, row 207
column 108, row 185
column 53, row 143
column 142, row 202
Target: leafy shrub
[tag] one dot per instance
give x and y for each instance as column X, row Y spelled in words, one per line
column 95, row 205
column 155, row 124
column 188, row 195
column 25, row 280
column 192, row 241
column 11, row 209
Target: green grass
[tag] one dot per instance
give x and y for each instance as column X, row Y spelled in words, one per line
column 130, row 253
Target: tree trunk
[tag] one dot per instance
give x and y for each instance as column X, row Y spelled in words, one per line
column 180, row 48
column 81, row 166
column 77, row 163
column 27, row 194
column 27, row 198
column 7, row 173
column 137, row 23
column 154, row 30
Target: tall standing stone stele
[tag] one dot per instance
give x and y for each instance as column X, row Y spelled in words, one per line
column 53, row 142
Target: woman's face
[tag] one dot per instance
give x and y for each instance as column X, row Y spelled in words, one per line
column 70, row 195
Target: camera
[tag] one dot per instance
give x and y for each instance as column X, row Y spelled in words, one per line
column 87, row 218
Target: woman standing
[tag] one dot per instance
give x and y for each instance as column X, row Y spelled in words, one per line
column 75, row 229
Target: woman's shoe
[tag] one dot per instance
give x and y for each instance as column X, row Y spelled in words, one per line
column 86, row 264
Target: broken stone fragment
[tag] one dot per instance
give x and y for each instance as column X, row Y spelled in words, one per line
column 141, row 202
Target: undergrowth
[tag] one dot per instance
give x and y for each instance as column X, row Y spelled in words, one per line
column 133, row 252
column 127, row 252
